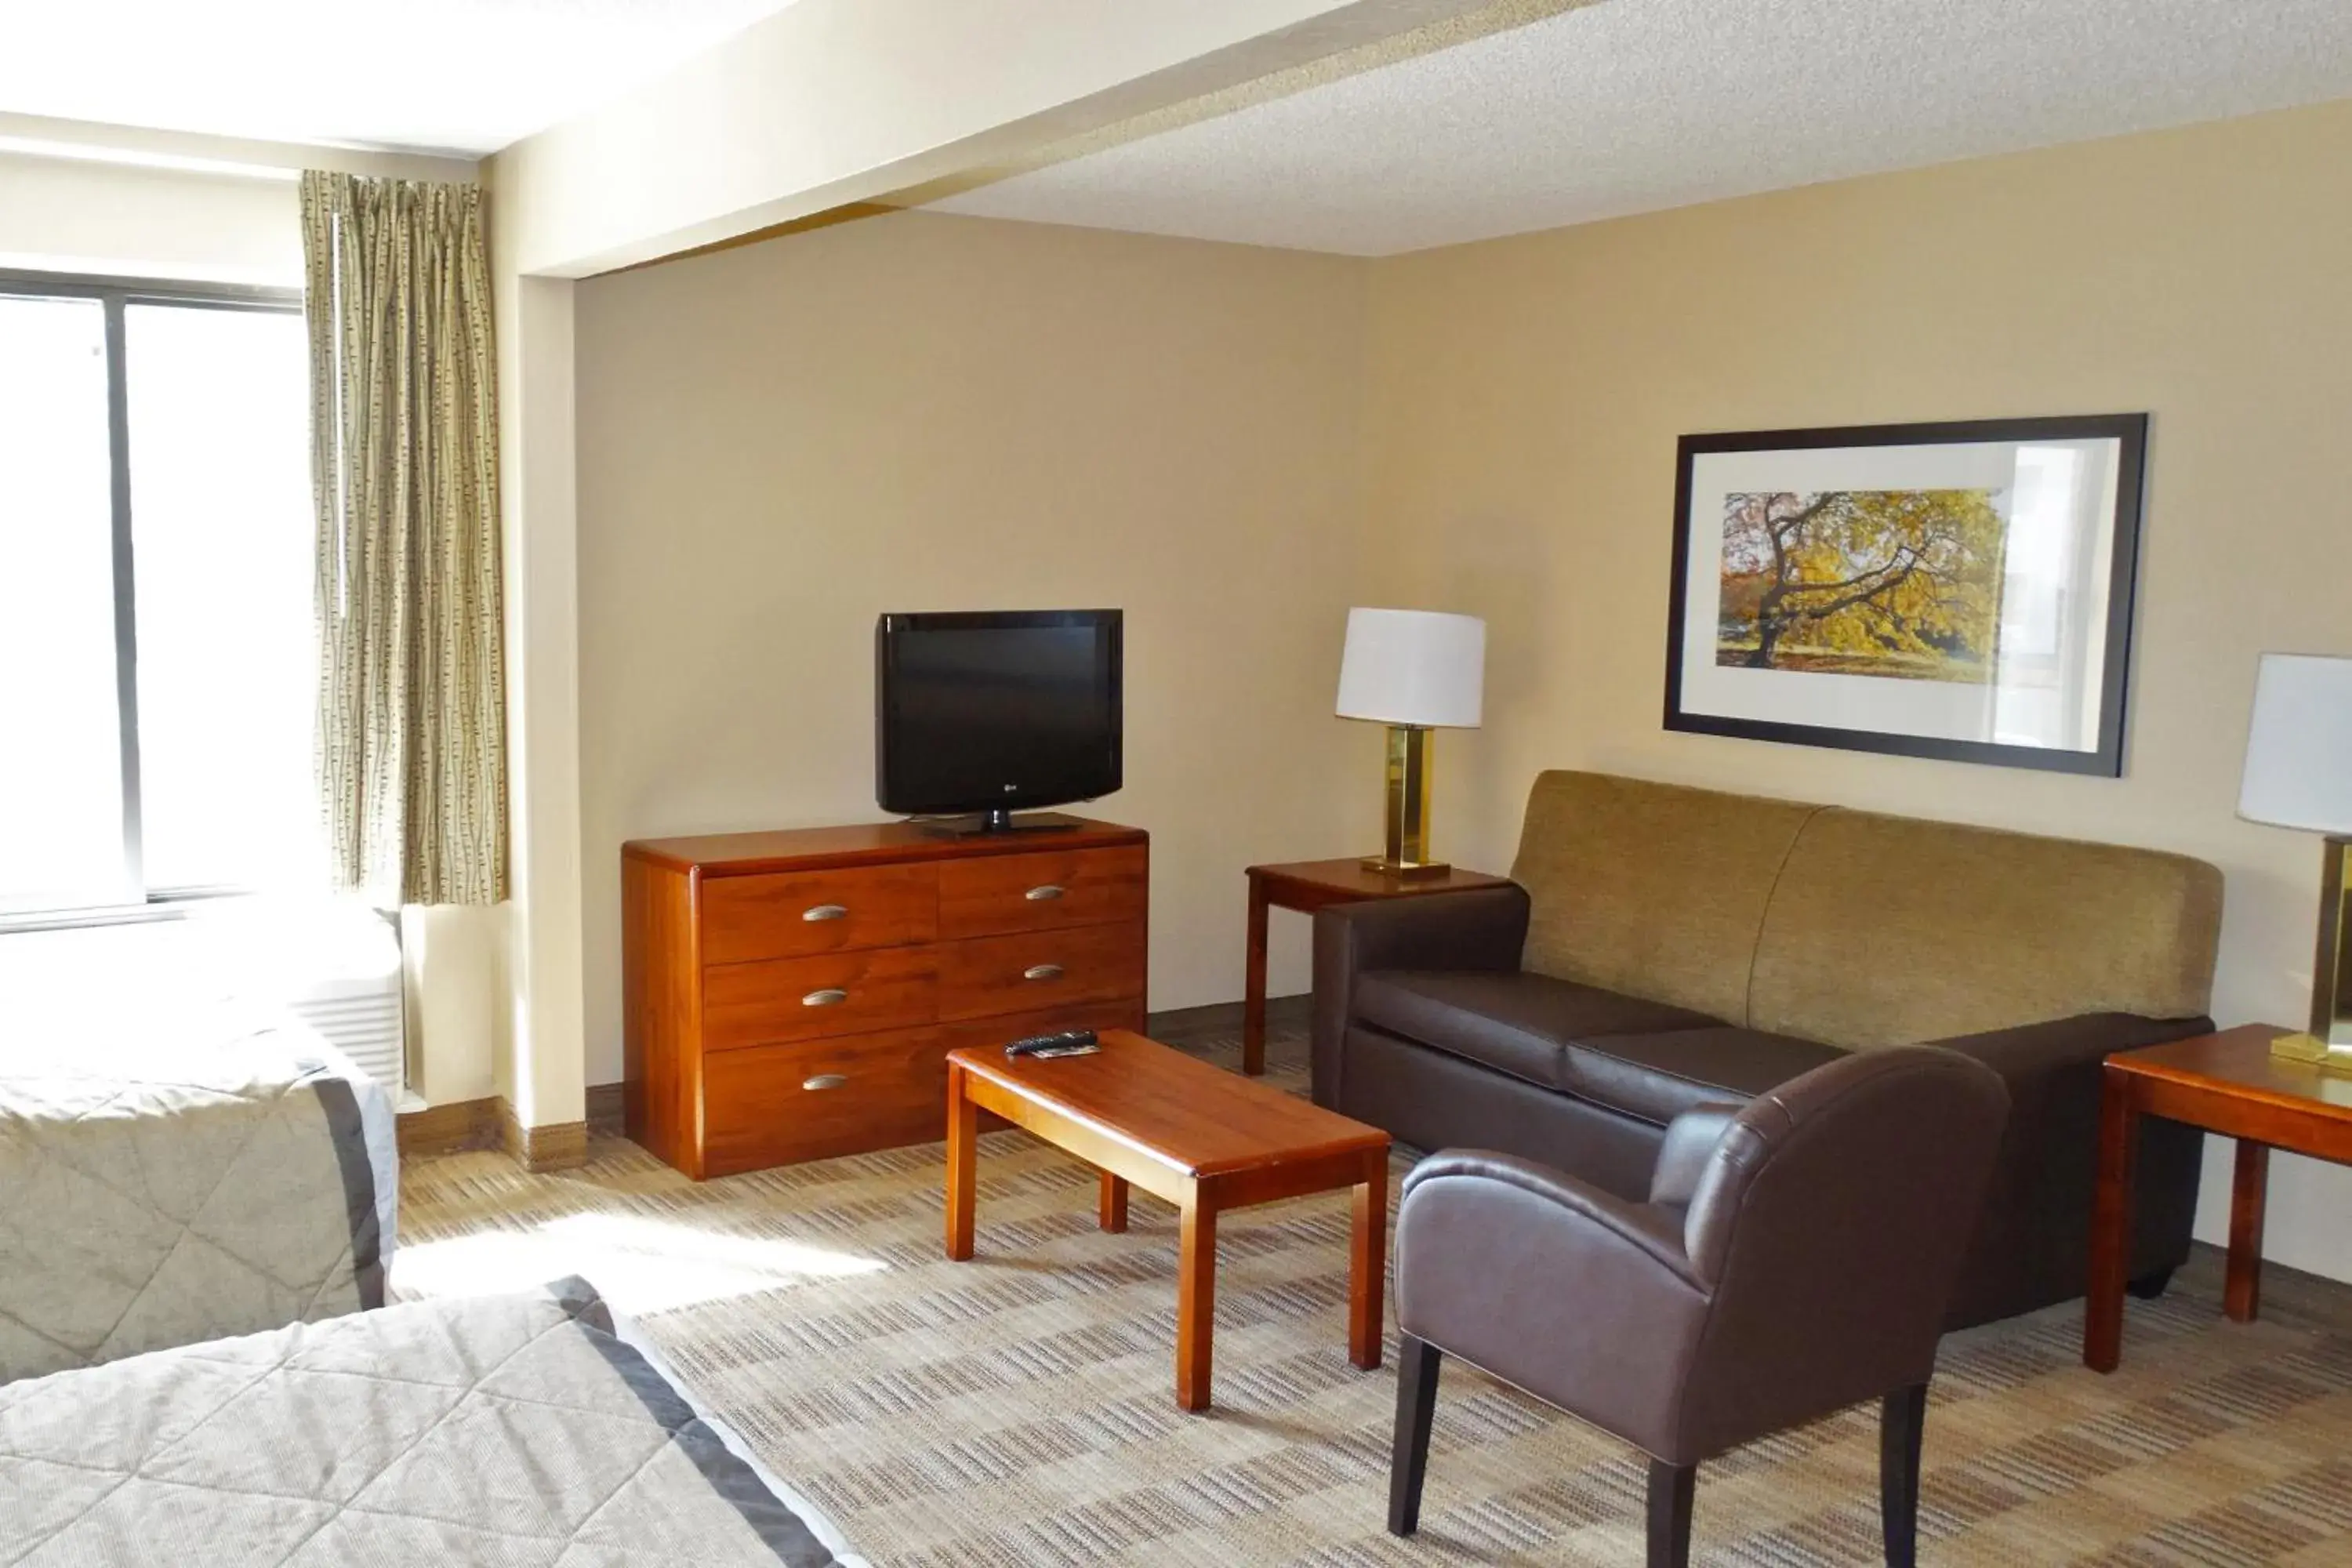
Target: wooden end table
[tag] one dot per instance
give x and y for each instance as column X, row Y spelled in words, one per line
column 2227, row 1083
column 1192, row 1134
column 1307, row 886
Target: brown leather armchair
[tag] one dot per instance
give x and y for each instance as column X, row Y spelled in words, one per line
column 1796, row 1256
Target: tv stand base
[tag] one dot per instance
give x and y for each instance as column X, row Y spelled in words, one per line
column 987, row 823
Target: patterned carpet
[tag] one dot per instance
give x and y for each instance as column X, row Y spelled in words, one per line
column 1017, row 1410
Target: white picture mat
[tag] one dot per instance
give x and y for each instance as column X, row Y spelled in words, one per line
column 1936, row 710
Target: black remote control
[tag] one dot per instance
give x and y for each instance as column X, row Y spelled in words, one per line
column 1068, row 1043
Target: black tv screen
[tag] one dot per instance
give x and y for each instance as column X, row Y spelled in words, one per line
column 995, row 712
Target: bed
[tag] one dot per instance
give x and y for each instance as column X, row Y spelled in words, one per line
column 174, row 1169
column 522, row 1429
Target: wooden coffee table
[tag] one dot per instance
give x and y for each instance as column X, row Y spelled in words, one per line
column 1194, row 1135
column 2228, row 1083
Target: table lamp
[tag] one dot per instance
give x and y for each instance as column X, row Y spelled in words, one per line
column 1415, row 671
column 2299, row 775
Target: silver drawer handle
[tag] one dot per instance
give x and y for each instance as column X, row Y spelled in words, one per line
column 825, row 998
column 1042, row 971
column 1044, row 894
column 825, row 912
column 825, row 1081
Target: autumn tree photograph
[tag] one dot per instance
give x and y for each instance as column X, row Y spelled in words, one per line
column 1905, row 583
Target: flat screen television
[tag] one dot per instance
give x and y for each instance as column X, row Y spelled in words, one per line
column 994, row 712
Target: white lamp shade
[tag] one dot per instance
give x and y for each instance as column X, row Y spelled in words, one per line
column 1414, row 666
column 2299, row 750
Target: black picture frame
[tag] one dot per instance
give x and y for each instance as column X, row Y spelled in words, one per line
column 2129, row 431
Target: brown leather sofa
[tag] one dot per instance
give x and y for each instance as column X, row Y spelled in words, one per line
column 1793, row 1259
column 1667, row 948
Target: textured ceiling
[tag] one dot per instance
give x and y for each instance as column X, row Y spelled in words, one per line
column 1633, row 105
column 461, row 76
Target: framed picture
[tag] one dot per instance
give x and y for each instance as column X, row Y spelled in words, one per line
column 1961, row 591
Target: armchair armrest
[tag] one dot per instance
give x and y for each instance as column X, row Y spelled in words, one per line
column 1691, row 1140
column 1577, row 1295
column 1655, row 1231
column 1482, row 928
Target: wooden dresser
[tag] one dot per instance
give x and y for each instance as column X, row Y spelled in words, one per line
column 792, row 995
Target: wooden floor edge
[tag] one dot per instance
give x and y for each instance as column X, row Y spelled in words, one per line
column 557, row 1146
column 449, row 1129
column 490, row 1123
column 607, row 1111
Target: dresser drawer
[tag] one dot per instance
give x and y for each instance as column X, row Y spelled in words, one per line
column 785, row 915
column 833, row 993
column 772, row 1104
column 990, row 895
column 1036, row 970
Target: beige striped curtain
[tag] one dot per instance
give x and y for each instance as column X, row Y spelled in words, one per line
column 404, row 470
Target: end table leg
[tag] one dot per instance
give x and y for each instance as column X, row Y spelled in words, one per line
column 1254, row 984
column 2241, row 1286
column 2110, row 1224
column 963, row 1133
column 1367, row 1264
column 1110, row 1207
column 1196, row 1298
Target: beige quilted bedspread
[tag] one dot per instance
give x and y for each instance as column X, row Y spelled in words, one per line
column 164, row 1181
column 518, row 1430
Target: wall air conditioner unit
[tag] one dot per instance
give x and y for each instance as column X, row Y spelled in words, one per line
column 358, row 1007
column 335, row 968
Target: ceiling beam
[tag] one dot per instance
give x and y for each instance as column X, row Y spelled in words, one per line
column 829, row 102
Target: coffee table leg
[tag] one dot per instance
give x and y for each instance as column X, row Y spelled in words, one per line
column 1111, row 1207
column 1196, row 1298
column 2111, row 1226
column 1367, row 1264
column 1253, row 984
column 963, row 1133
column 2241, row 1286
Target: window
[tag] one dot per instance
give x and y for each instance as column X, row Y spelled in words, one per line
column 156, row 672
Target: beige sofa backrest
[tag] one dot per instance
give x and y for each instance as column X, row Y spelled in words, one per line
column 1850, row 927
column 1651, row 889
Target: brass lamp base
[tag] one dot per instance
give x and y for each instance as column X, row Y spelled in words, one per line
column 2328, row 1044
column 1409, row 870
column 1406, row 853
column 2313, row 1051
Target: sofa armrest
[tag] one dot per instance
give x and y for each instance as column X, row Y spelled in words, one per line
column 2085, row 1040
column 1481, row 927
column 2033, row 1245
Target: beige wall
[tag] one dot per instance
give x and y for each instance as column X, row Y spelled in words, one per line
column 1527, row 395
column 73, row 214
column 780, row 441
column 122, row 200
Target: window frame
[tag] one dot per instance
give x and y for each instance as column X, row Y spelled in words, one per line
column 116, row 296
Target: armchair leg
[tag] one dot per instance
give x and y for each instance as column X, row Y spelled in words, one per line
column 1417, row 1364
column 1903, row 1422
column 1671, row 1488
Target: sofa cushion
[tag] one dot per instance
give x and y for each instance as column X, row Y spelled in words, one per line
column 1658, row 1076
column 1518, row 1023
